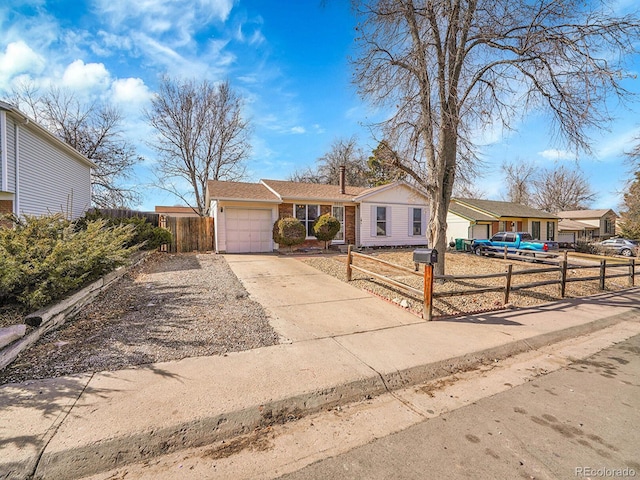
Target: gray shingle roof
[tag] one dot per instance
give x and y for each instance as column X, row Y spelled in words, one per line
column 503, row 209
column 312, row 191
column 222, row 190
column 585, row 213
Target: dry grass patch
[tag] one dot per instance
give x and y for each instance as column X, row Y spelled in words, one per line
column 464, row 264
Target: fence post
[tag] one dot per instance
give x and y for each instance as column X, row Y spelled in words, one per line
column 563, row 277
column 632, row 272
column 565, row 256
column 428, row 292
column 507, row 287
column 505, row 252
column 349, row 260
column 603, row 270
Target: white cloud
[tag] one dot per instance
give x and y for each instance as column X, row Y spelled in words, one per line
column 298, row 130
column 18, row 58
column 554, row 154
column 614, row 146
column 130, row 91
column 81, row 76
column 178, row 20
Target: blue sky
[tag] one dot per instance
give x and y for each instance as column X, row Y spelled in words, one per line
column 288, row 59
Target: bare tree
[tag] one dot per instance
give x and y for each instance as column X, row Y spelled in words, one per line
column 447, row 69
column 343, row 151
column 559, row 189
column 307, row 175
column 518, row 177
column 95, row 130
column 201, row 136
column 466, row 189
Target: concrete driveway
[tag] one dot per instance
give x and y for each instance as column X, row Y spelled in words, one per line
column 306, row 304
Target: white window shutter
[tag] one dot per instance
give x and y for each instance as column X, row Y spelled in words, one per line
column 424, row 222
column 374, row 221
column 388, row 215
column 410, row 231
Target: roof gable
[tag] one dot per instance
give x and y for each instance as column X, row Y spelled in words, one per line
column 37, row 129
column 387, row 188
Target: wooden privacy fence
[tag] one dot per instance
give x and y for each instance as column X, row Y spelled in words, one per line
column 189, row 234
column 152, row 218
column 427, row 294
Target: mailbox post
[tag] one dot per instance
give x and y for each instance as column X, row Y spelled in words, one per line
column 427, row 256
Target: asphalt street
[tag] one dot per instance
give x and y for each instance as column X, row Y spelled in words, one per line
column 582, row 421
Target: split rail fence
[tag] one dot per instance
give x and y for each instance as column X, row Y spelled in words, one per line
column 427, row 294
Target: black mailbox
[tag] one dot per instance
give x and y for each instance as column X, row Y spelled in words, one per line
column 425, row 255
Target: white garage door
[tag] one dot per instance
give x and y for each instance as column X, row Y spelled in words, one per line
column 248, row 230
column 480, row 231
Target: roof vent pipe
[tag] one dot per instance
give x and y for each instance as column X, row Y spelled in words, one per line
column 342, row 178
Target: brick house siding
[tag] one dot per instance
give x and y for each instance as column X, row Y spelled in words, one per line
column 350, row 224
column 6, row 207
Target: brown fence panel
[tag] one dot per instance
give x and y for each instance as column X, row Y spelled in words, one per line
column 190, row 234
column 151, row 217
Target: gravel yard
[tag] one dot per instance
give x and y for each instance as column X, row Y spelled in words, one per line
column 168, row 308
column 462, row 264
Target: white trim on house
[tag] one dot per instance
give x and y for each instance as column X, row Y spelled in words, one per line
column 4, row 159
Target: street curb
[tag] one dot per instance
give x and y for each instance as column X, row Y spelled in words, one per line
column 120, row 451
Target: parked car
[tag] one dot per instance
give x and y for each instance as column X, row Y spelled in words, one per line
column 620, row 246
column 516, row 242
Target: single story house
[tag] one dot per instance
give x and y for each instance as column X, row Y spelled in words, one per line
column 472, row 218
column 176, row 211
column 598, row 224
column 388, row 215
column 39, row 173
column 571, row 231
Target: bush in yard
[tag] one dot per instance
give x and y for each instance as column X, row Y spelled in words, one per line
column 43, row 258
column 289, row 231
column 145, row 237
column 325, row 228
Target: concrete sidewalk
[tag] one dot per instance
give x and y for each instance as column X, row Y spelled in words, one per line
column 358, row 346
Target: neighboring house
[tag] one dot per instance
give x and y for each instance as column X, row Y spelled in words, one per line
column 601, row 223
column 389, row 215
column 176, row 211
column 572, row 231
column 477, row 219
column 39, row 173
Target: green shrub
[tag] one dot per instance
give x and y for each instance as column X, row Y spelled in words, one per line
column 43, row 258
column 289, row 231
column 146, row 236
column 325, row 228
column 591, row 248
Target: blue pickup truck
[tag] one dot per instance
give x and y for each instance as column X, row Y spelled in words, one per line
column 521, row 243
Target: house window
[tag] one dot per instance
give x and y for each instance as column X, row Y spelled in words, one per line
column 551, row 231
column 307, row 214
column 608, row 226
column 338, row 213
column 381, row 221
column 416, row 221
column 535, row 230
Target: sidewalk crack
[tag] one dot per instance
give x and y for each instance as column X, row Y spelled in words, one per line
column 52, row 432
